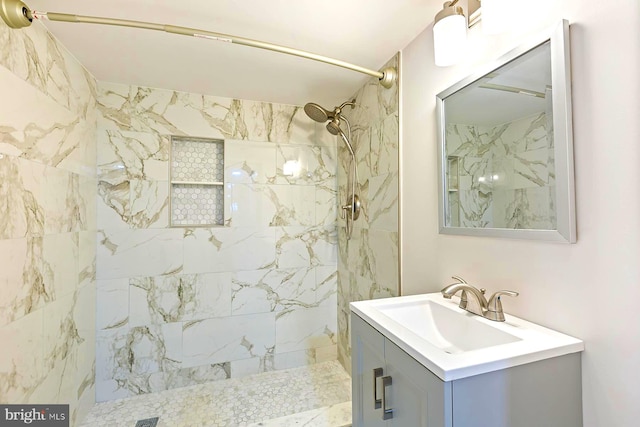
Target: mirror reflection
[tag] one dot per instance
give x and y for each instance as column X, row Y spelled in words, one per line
column 499, row 145
column 499, row 148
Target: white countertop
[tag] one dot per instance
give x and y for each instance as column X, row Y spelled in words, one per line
column 533, row 342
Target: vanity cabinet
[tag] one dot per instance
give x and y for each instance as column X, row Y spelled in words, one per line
column 390, row 388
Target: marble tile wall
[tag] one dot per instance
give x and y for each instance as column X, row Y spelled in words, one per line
column 182, row 306
column 506, row 174
column 47, row 223
column 368, row 262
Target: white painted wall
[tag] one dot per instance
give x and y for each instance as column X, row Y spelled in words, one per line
column 591, row 289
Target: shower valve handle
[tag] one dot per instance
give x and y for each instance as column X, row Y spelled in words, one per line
column 351, row 209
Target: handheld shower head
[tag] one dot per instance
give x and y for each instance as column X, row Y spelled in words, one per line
column 334, row 126
column 317, row 113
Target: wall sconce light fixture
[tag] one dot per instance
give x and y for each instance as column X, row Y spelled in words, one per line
column 449, row 34
column 450, row 26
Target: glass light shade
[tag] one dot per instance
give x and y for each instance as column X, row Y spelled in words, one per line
column 449, row 40
column 496, row 16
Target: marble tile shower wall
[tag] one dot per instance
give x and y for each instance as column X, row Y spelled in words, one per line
column 47, row 223
column 368, row 263
column 506, row 175
column 181, row 306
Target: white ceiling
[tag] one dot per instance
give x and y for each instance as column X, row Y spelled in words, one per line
column 363, row 32
column 489, row 107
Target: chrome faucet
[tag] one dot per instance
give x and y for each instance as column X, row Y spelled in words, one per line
column 472, row 299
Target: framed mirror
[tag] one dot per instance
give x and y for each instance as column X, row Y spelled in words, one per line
column 505, row 146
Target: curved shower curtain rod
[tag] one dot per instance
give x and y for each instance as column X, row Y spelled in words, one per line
column 17, row 14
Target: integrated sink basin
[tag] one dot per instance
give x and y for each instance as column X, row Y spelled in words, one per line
column 449, row 330
column 453, row 343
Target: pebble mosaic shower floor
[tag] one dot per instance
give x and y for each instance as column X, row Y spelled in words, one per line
column 315, row 396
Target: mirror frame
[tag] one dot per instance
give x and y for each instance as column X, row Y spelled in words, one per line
column 565, row 231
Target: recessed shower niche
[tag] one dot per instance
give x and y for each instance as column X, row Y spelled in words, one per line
column 197, row 182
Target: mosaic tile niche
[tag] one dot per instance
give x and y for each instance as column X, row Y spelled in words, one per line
column 197, row 188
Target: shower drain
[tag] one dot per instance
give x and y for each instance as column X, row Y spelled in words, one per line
column 149, row 422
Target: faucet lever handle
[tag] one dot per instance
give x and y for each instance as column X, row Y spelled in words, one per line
column 494, row 307
column 506, row 292
column 459, row 279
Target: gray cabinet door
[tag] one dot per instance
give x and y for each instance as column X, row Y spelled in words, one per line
column 367, row 354
column 417, row 397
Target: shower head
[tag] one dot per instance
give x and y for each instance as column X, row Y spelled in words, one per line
column 321, row 114
column 317, row 113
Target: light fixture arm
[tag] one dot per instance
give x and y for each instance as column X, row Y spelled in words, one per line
column 17, row 14
column 449, row 8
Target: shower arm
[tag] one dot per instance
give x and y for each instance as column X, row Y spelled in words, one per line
column 18, row 15
column 347, row 103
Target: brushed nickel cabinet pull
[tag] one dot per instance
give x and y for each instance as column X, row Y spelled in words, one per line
column 377, row 403
column 387, row 414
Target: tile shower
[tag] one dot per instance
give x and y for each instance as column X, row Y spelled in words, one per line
column 79, row 230
column 182, row 306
